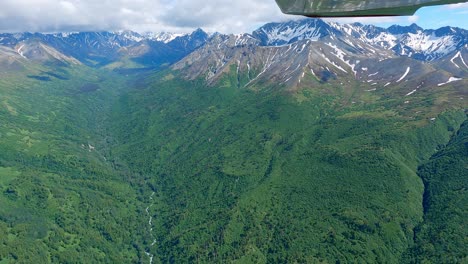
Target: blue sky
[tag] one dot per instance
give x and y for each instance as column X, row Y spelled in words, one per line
column 225, row 16
column 440, row 16
column 433, row 17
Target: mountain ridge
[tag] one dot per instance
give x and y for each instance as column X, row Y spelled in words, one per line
column 293, row 54
column 410, row 41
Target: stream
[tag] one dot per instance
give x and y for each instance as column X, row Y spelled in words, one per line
column 150, row 227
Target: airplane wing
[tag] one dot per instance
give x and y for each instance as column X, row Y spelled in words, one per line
column 348, row 8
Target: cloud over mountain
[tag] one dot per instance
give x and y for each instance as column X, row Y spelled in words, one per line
column 174, row 15
column 141, row 15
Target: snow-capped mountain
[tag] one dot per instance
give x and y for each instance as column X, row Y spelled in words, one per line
column 276, row 34
column 92, row 48
column 408, row 61
column 411, row 41
column 190, row 41
column 303, row 53
column 152, row 49
column 308, row 63
column 165, row 37
column 130, row 35
column 102, row 48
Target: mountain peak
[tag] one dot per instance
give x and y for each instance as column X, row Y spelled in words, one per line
column 199, row 33
column 413, row 28
column 444, row 31
column 162, row 36
column 276, row 34
column 198, row 30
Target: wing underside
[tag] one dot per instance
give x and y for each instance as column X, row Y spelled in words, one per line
column 348, row 8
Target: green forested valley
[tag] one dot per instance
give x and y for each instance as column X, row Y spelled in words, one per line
column 98, row 166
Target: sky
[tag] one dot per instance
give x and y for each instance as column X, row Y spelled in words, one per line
column 181, row 16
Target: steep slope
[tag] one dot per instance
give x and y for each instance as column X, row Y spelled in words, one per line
column 346, row 62
column 39, row 52
column 10, row 60
column 276, row 34
column 441, row 237
column 61, row 200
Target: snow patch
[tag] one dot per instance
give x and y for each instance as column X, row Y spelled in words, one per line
column 313, row 73
column 412, row 92
column 20, row 52
column 405, row 74
column 340, row 55
column 454, row 57
column 285, row 35
column 450, row 80
column 165, row 37
column 334, row 64
column 464, row 63
column 458, row 55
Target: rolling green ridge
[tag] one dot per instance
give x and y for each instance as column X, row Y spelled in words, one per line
column 101, row 167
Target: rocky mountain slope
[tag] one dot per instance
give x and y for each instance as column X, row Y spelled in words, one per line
column 303, row 53
column 410, row 41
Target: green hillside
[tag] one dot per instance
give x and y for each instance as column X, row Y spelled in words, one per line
column 266, row 176
column 101, row 167
column 60, row 200
column 442, row 237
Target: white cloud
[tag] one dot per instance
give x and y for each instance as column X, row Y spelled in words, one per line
column 225, row 16
column 68, row 6
column 413, row 19
column 457, row 6
column 461, row 9
column 141, row 15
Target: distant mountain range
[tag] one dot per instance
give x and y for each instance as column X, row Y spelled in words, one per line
column 102, row 48
column 289, row 53
column 280, row 52
column 410, row 41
